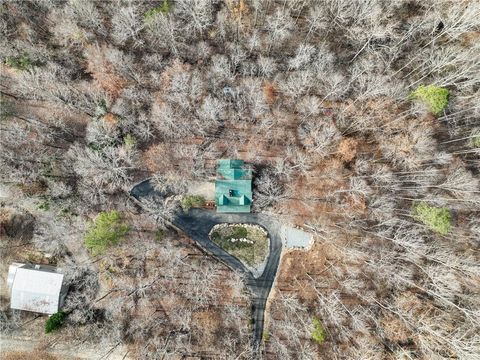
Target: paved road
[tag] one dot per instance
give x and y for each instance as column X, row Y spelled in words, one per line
column 197, row 223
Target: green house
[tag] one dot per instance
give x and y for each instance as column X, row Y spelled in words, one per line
column 233, row 187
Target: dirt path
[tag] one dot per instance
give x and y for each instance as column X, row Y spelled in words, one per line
column 35, row 347
column 203, row 188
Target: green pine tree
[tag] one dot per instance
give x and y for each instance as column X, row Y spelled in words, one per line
column 435, row 97
column 436, row 218
column 55, row 322
column 107, row 230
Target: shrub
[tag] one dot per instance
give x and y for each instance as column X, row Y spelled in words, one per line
column 55, row 322
column 435, row 97
column 165, row 7
column 101, row 109
column 45, row 206
column 239, row 232
column 474, row 142
column 190, row 201
column 129, row 141
column 107, row 230
column 20, row 62
column 436, row 218
column 318, row 333
column 266, row 336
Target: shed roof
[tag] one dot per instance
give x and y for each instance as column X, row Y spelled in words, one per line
column 36, row 289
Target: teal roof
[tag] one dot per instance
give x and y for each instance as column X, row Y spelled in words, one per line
column 233, row 187
column 232, row 170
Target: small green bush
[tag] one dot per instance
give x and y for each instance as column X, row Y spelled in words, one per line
column 266, row 336
column 436, row 218
column 107, row 230
column 129, row 141
column 67, row 212
column 474, row 142
column 55, row 322
column 164, row 8
column 190, row 201
column 101, row 109
column 45, row 206
column 239, row 232
column 236, row 232
column 435, row 97
column 318, row 333
column 22, row 62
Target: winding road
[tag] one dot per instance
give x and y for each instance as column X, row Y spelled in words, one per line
column 197, row 223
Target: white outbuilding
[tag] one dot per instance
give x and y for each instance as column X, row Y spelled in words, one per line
column 36, row 288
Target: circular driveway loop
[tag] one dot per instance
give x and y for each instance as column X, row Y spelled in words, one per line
column 197, row 224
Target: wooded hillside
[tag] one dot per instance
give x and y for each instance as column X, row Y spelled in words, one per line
column 361, row 119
